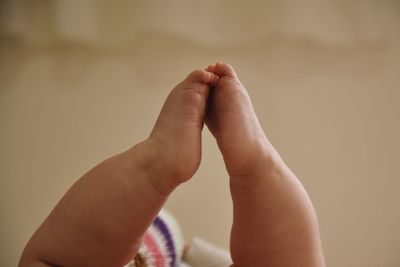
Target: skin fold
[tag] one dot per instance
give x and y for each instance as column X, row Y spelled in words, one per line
column 101, row 219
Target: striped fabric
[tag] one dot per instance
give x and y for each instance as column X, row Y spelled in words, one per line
column 162, row 243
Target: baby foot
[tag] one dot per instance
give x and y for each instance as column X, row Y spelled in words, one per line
column 176, row 136
column 233, row 122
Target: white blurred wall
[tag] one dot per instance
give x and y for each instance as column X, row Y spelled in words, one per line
column 80, row 81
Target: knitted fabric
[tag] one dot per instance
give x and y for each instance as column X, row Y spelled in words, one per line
column 162, row 244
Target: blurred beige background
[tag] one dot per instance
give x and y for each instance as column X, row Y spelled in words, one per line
column 83, row 80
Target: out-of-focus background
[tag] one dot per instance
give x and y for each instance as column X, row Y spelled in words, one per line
column 83, row 80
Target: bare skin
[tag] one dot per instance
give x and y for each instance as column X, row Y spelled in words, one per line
column 274, row 221
column 101, row 220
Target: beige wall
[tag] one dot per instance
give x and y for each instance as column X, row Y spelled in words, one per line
column 332, row 110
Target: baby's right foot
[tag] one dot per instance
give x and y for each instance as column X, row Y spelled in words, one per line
column 176, row 136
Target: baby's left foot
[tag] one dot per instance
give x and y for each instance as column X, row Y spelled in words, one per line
column 233, row 122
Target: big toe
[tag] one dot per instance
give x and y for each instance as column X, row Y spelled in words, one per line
column 222, row 70
column 202, row 77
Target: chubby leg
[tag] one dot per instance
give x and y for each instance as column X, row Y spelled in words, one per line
column 274, row 221
column 100, row 221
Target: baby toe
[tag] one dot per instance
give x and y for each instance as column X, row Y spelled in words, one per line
column 203, row 77
column 224, row 69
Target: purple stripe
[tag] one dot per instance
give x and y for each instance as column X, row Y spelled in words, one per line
column 162, row 227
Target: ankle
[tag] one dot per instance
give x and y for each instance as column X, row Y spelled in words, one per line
column 151, row 164
column 267, row 164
